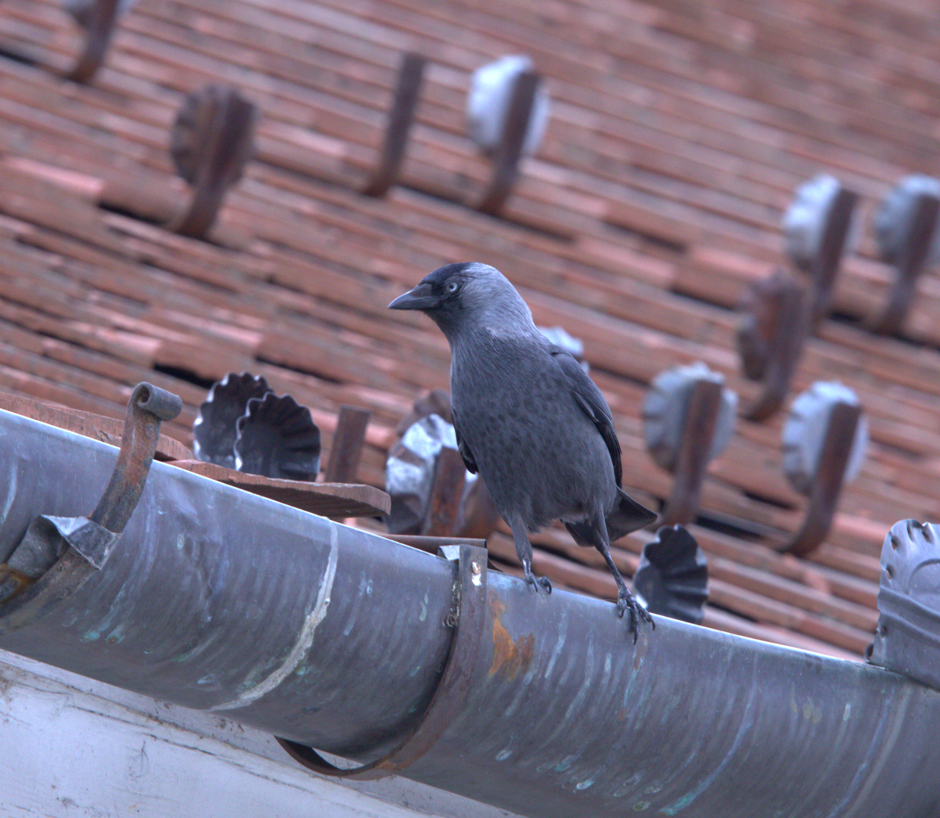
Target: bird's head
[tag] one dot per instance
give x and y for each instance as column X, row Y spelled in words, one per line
column 468, row 295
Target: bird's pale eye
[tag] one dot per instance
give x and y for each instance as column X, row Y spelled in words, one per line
column 452, row 287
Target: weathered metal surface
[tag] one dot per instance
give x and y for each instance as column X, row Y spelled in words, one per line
column 203, row 577
column 824, row 442
column 908, row 636
column 818, row 230
column 467, row 622
column 147, row 407
column 214, row 429
column 688, row 419
column 447, row 492
column 334, row 638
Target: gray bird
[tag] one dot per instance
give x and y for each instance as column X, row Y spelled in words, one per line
column 528, row 419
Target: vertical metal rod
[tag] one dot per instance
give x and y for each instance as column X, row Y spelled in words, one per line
column 147, row 407
column 830, row 475
column 912, row 262
column 348, row 440
column 102, row 17
column 826, row 265
column 788, row 328
column 450, row 474
column 509, row 150
column 697, row 435
column 400, row 119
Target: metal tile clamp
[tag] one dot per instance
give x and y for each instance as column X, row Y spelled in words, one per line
column 73, row 546
column 468, row 623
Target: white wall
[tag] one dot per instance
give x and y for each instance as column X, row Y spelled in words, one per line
column 74, row 748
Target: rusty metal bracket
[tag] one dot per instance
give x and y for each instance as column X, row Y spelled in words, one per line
column 468, row 623
column 447, row 489
column 829, row 478
column 512, row 139
column 211, row 143
column 348, row 439
column 400, row 119
column 90, row 540
column 694, row 449
column 913, row 259
column 835, row 239
column 147, row 408
column 98, row 20
column 770, row 338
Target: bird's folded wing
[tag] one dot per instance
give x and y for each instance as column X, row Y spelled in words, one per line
column 462, row 446
column 592, row 402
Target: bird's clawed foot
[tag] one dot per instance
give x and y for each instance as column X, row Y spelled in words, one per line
column 535, row 581
column 626, row 601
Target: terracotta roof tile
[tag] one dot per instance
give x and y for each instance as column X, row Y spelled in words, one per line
column 678, row 135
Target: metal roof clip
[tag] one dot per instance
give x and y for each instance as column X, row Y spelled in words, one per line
column 906, row 228
column 400, row 118
column 688, row 417
column 819, row 230
column 97, row 17
column 772, row 327
column 824, row 442
column 212, row 141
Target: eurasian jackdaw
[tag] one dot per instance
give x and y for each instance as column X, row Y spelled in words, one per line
column 529, row 419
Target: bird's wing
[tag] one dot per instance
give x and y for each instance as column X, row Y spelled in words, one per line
column 462, row 446
column 592, row 402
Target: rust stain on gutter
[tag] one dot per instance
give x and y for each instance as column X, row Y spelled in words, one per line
column 510, row 656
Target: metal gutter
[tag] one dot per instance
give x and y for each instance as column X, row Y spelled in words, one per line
column 218, row 600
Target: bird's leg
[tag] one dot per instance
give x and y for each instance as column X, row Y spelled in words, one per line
column 524, row 550
column 625, row 600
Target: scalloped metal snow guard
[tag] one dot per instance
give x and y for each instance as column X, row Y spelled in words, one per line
column 219, row 600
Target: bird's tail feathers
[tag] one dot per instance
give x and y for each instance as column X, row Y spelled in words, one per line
column 627, row 515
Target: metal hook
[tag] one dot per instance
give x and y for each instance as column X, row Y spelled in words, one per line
column 85, row 543
column 770, row 338
column 698, row 434
column 97, row 18
column 912, row 259
column 147, row 408
column 509, row 150
column 400, row 119
column 468, row 622
column 829, row 478
column 817, row 228
column 688, row 420
column 212, row 141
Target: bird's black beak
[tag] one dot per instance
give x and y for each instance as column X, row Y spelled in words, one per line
column 417, row 298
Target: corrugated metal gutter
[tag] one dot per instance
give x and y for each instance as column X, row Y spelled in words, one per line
column 329, row 636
